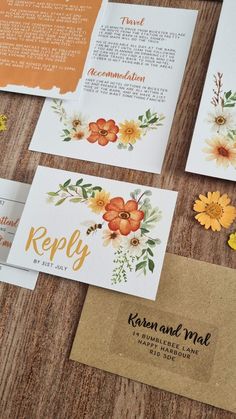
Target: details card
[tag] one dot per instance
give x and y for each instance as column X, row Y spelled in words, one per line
column 184, row 342
column 12, row 200
column 213, row 149
column 44, row 44
column 94, row 230
column 129, row 90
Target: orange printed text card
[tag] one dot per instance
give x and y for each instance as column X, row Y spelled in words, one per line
column 44, row 44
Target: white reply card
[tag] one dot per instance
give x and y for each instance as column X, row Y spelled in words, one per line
column 12, row 200
column 98, row 231
column 213, row 149
column 129, row 90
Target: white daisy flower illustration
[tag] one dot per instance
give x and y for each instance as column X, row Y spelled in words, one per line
column 134, row 244
column 222, row 120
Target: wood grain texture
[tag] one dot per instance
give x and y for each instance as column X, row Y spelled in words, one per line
column 37, row 380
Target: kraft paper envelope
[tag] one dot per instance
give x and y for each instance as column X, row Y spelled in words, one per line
column 184, row 342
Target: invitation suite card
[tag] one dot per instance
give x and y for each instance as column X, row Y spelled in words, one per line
column 213, row 149
column 129, row 90
column 44, row 44
column 184, row 342
column 94, row 230
column 12, row 200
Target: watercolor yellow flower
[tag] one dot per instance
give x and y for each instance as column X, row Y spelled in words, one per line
column 98, row 203
column 232, row 241
column 3, row 123
column 130, row 132
column 214, row 211
column 222, row 151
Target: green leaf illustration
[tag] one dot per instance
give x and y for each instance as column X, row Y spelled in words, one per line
column 140, row 266
column 75, row 200
column 84, row 193
column 150, row 252
column 151, row 265
column 97, row 188
column 148, row 114
column 67, row 183
column 52, row 193
column 60, row 202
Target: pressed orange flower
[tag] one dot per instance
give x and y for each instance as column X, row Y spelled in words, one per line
column 99, row 201
column 214, row 211
column 123, row 217
column 103, row 131
column 222, row 151
column 130, row 132
column 232, row 241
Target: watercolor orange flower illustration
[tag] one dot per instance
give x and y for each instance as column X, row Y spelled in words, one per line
column 123, row 217
column 222, row 146
column 222, row 151
column 214, row 211
column 80, row 133
column 126, row 224
column 104, row 132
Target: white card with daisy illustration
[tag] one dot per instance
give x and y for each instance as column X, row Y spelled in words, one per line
column 129, row 90
column 213, row 149
column 98, row 231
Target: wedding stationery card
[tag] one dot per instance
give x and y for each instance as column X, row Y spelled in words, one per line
column 129, row 90
column 184, row 342
column 44, row 44
column 12, row 200
column 94, row 230
column 213, row 150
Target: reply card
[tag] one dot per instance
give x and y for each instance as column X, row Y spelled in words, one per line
column 44, row 44
column 12, row 200
column 213, row 150
column 99, row 231
column 128, row 93
column 184, row 342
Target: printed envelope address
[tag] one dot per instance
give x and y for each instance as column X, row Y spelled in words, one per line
column 94, row 230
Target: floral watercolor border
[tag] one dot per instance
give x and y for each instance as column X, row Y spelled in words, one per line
column 221, row 147
column 104, row 132
column 126, row 225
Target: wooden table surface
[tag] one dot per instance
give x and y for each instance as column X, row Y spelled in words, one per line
column 37, row 380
